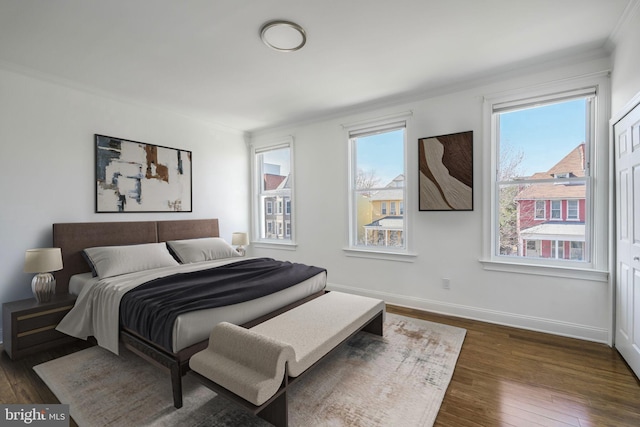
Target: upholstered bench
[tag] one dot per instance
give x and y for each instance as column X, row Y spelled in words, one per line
column 254, row 367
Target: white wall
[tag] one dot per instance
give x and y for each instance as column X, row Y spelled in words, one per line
column 47, row 166
column 625, row 78
column 448, row 244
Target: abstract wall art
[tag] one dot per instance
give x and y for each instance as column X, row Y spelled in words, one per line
column 138, row 177
column 446, row 172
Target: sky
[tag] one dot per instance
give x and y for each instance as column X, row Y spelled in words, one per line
column 382, row 153
column 544, row 134
column 280, row 157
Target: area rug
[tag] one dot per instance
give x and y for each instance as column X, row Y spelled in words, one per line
column 397, row 379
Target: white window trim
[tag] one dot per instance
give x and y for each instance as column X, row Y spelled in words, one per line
column 257, row 241
column 597, row 269
column 389, row 254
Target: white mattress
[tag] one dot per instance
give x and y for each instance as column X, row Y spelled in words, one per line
column 191, row 328
column 78, row 281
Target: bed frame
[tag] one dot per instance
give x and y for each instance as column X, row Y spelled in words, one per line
column 72, row 238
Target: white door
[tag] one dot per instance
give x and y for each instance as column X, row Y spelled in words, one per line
column 627, row 167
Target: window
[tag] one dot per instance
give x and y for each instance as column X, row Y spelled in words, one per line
column 377, row 186
column 556, row 212
column 542, row 143
column 576, row 251
column 540, row 209
column 572, row 210
column 557, row 249
column 273, row 192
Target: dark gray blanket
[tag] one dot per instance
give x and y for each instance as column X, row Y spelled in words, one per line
column 151, row 308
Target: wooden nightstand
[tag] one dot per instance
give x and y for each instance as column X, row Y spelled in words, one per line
column 29, row 327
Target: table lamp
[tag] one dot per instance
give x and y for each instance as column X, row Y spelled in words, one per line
column 240, row 240
column 43, row 261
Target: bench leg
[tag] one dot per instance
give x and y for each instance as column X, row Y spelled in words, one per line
column 276, row 412
column 376, row 325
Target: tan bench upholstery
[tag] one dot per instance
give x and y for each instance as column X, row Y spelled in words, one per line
column 252, row 363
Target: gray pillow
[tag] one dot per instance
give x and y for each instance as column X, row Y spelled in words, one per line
column 198, row 250
column 109, row 261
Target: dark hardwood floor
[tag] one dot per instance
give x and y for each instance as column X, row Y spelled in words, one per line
column 512, row 377
column 504, row 377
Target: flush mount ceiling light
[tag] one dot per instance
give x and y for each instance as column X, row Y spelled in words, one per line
column 283, row 36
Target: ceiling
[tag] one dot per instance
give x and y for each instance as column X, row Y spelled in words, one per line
column 204, row 58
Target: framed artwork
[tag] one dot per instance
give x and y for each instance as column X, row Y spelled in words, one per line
column 446, row 172
column 138, row 177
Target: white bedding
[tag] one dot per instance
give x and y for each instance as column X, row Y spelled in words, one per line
column 79, row 281
column 96, row 312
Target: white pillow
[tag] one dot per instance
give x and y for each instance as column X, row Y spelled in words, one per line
column 198, row 250
column 109, row 261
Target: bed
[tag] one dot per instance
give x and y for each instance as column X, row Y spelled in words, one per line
column 189, row 332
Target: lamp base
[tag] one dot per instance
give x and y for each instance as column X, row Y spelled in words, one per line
column 43, row 286
column 240, row 249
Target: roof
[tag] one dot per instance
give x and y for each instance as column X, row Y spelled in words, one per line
column 572, row 164
column 392, row 191
column 271, row 182
column 286, row 182
column 561, row 230
column 388, row 222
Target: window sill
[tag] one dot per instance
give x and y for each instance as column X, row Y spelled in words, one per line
column 288, row 246
column 546, row 270
column 384, row 255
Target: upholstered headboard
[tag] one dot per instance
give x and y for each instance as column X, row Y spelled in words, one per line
column 73, row 237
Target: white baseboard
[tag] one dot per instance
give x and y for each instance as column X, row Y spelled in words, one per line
column 550, row 326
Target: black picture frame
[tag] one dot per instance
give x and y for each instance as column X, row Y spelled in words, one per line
column 132, row 176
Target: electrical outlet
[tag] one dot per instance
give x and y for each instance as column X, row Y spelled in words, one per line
column 446, row 283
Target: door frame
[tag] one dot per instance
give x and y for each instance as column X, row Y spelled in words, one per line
column 615, row 118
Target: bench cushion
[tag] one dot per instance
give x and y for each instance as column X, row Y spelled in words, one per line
column 251, row 363
column 244, row 362
column 313, row 329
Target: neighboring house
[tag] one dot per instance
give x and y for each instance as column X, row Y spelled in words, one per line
column 387, row 215
column 277, row 207
column 551, row 216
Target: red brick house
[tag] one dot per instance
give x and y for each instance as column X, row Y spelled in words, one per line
column 277, row 206
column 551, row 215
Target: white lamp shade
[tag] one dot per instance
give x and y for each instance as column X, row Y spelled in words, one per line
column 43, row 260
column 239, row 239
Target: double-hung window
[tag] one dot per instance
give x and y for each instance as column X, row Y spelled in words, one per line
column 377, row 159
column 544, row 207
column 556, row 211
column 573, row 213
column 540, row 209
column 273, row 193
